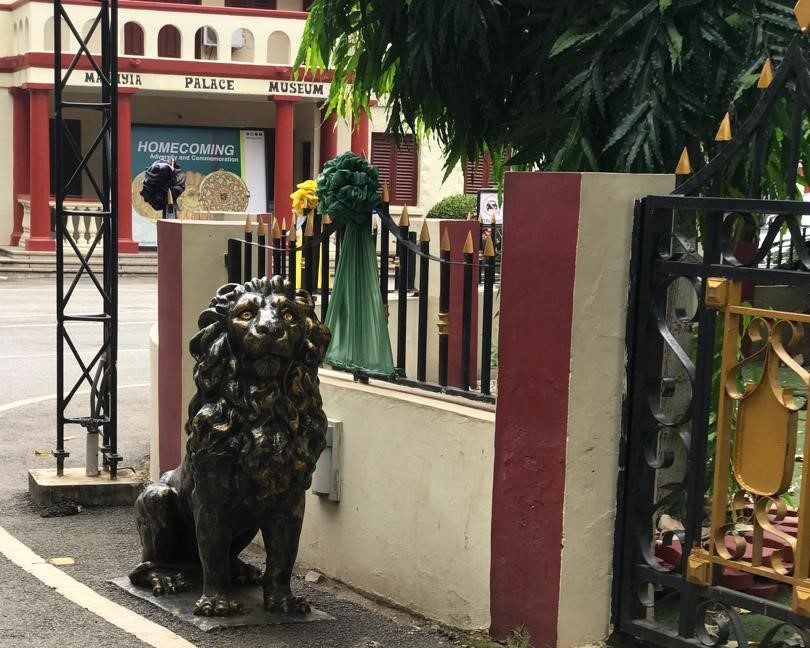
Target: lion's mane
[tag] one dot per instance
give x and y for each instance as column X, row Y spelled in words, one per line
column 276, row 423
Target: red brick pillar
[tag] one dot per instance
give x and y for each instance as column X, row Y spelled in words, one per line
column 39, row 170
column 283, row 176
column 329, row 144
column 124, row 207
column 360, row 135
column 21, row 164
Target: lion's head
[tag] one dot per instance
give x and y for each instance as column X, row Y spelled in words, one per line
column 257, row 355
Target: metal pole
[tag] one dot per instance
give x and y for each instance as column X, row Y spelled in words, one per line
column 247, row 275
column 402, row 293
column 486, row 326
column 325, row 287
column 424, row 268
column 261, row 233
column 58, row 142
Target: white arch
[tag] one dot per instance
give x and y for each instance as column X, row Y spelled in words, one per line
column 246, row 51
column 94, row 45
column 66, row 37
column 278, row 48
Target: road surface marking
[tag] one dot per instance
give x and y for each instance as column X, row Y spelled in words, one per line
column 147, row 631
column 39, row 399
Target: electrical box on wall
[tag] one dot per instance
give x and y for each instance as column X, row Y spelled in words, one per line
column 326, row 478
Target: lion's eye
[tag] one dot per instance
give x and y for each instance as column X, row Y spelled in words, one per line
column 246, row 315
column 289, row 316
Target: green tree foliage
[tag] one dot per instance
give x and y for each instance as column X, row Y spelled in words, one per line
column 609, row 85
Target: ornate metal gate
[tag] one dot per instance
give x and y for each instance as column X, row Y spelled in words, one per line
column 714, row 533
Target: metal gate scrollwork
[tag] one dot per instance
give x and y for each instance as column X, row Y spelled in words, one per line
column 714, row 533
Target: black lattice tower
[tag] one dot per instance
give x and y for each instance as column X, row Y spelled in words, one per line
column 99, row 373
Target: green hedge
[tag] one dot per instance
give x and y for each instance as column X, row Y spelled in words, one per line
column 457, row 206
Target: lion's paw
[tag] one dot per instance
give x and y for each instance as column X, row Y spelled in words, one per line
column 292, row 605
column 167, row 584
column 216, row 606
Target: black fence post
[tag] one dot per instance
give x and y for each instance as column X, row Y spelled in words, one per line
column 486, row 326
column 292, row 240
column 444, row 308
column 277, row 264
column 402, row 294
column 466, row 308
column 385, row 211
column 424, row 266
column 248, row 259
column 261, row 233
column 234, row 261
column 325, row 288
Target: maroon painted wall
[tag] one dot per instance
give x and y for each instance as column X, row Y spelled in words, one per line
column 539, row 256
column 170, row 351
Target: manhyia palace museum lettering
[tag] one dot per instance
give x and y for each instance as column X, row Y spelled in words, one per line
column 216, row 84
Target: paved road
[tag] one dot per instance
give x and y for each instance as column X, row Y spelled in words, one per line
column 104, row 542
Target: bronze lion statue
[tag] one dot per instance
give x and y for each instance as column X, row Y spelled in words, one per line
column 255, row 429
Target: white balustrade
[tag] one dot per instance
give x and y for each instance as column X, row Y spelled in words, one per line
column 82, row 229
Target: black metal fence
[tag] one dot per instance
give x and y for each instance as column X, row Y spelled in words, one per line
column 312, row 248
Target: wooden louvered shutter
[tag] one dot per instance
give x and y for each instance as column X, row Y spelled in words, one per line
column 133, row 39
column 169, row 42
column 407, row 172
column 381, row 147
column 398, row 166
column 477, row 176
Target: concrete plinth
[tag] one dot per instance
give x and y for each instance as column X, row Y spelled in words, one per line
column 181, row 606
column 46, row 488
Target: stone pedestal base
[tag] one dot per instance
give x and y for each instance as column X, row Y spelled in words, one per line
column 46, row 488
column 182, row 606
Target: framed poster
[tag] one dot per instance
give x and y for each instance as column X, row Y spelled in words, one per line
column 489, row 207
column 200, row 152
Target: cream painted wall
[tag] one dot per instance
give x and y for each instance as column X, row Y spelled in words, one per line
column 596, row 379
column 187, row 20
column 413, row 523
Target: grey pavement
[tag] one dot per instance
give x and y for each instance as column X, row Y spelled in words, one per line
column 103, row 541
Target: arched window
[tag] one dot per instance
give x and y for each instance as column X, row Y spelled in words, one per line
column 278, row 48
column 26, row 43
column 133, row 39
column 16, row 40
column 169, row 42
column 243, row 46
column 94, row 44
column 205, row 43
column 66, row 39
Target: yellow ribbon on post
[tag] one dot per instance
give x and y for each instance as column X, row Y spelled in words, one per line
column 304, row 197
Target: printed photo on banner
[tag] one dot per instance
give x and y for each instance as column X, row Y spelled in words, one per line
column 489, row 206
column 224, row 168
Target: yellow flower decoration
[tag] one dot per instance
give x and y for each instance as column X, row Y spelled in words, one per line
column 304, row 198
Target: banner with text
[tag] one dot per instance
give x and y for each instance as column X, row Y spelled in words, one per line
column 213, row 160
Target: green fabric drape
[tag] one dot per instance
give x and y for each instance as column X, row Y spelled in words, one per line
column 348, row 191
